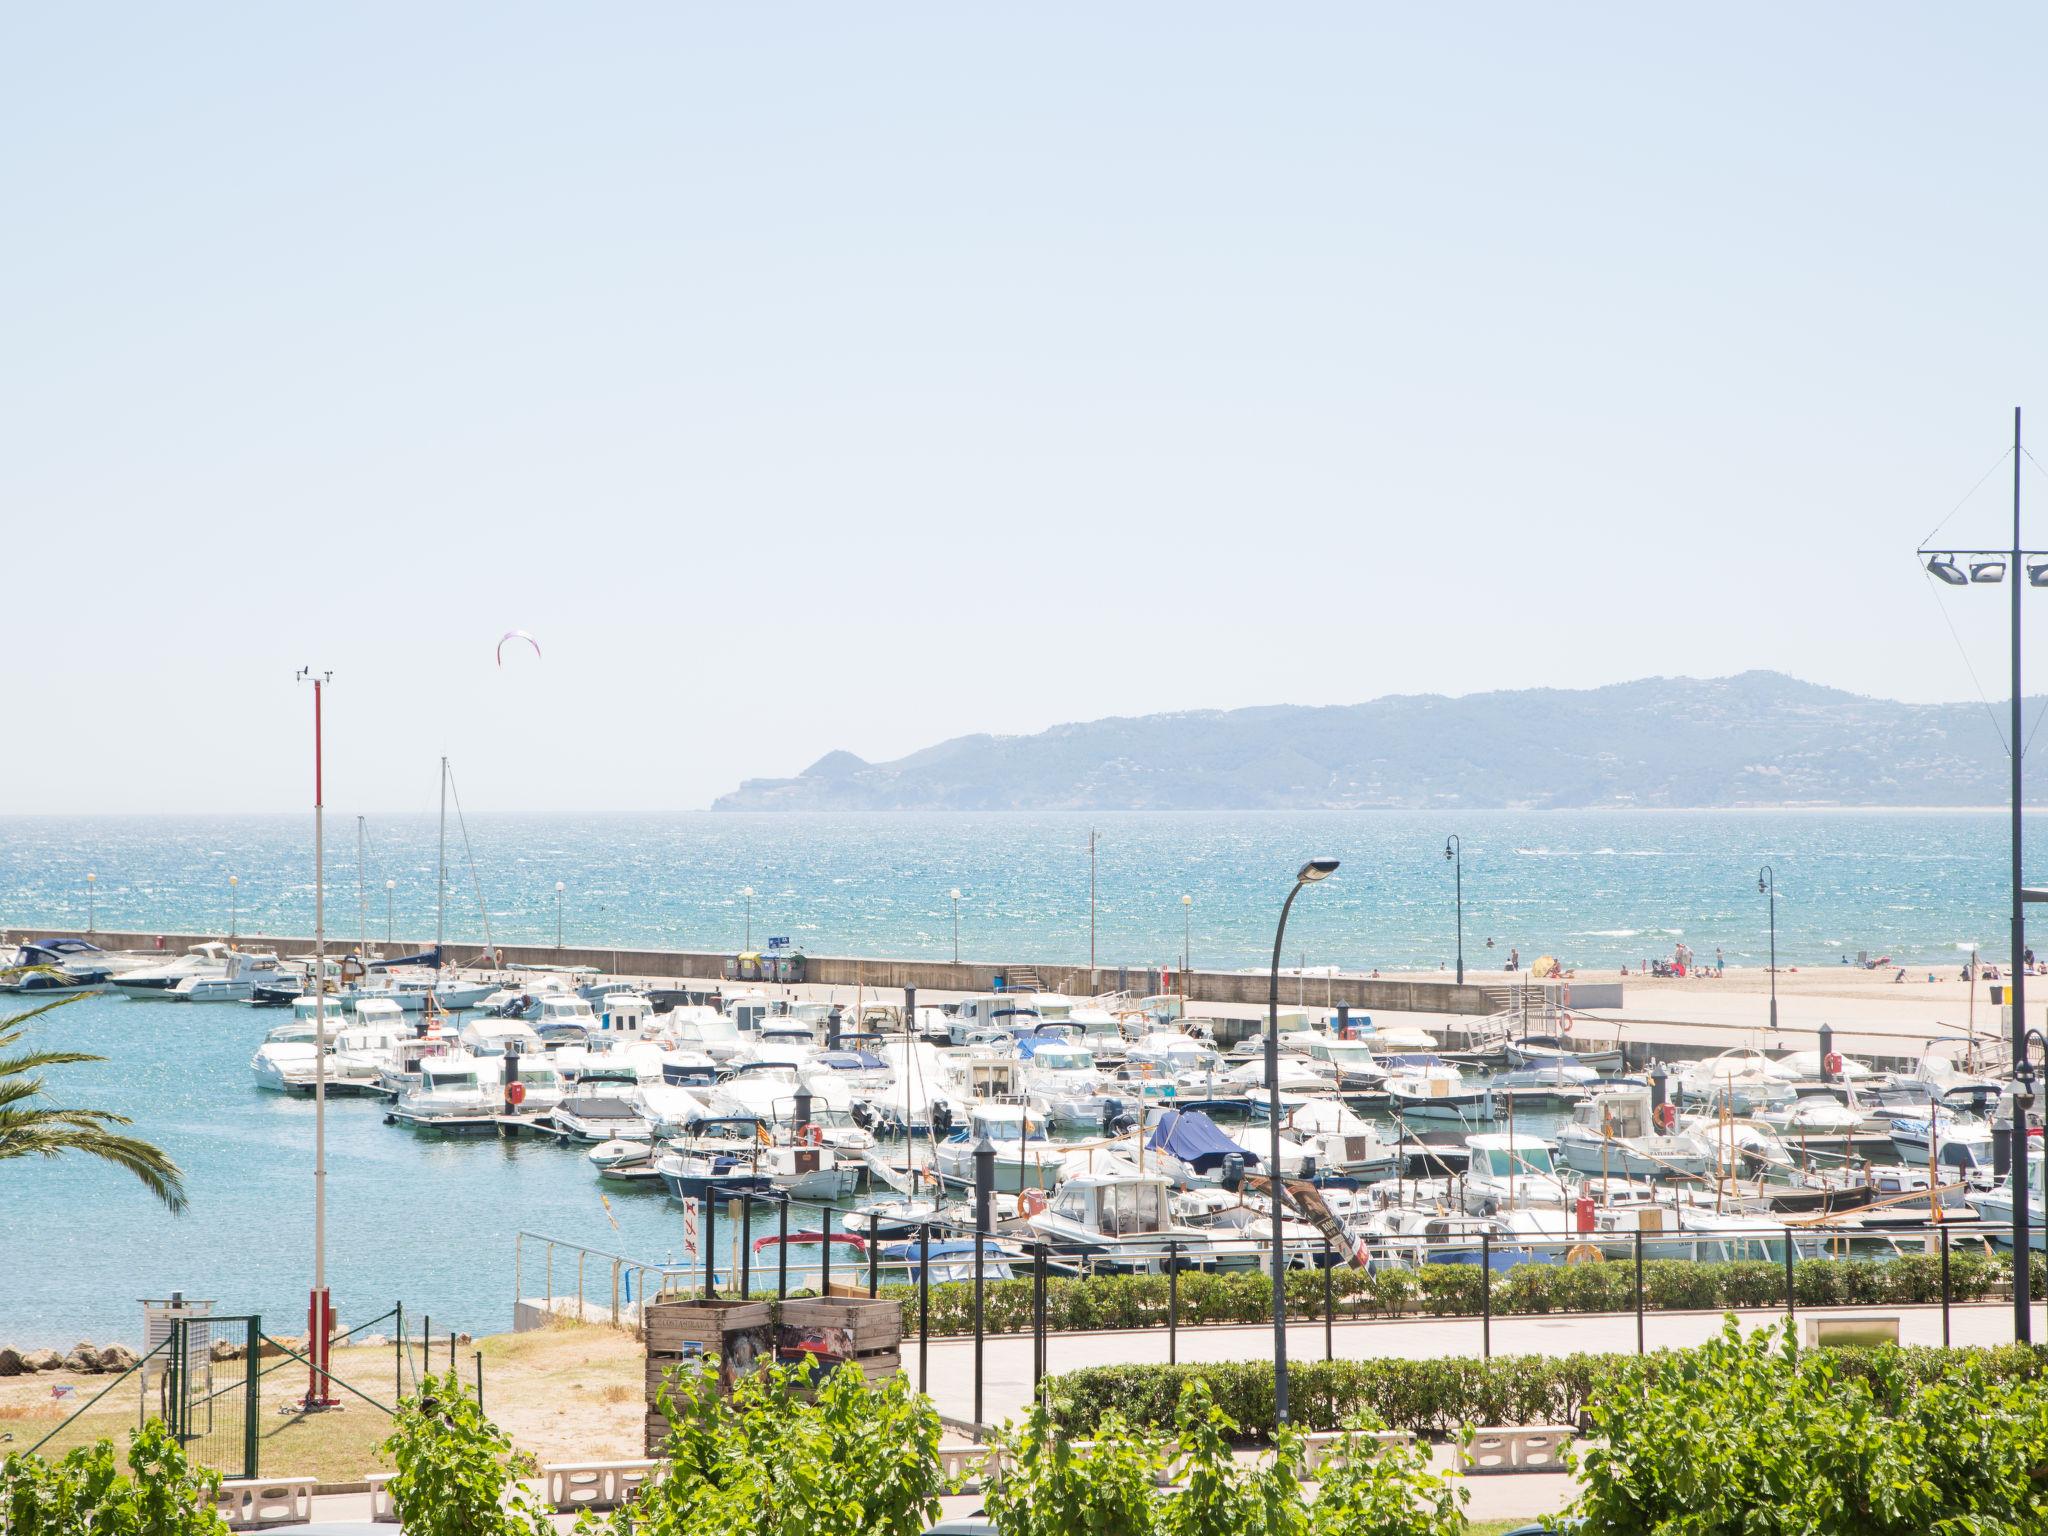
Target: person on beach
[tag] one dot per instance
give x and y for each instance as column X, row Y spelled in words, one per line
column 1720, row 965
column 1514, row 958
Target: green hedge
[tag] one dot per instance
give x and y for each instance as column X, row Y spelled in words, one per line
column 1430, row 1397
column 1453, row 1290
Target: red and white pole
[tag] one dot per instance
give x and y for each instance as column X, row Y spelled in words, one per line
column 320, row 1307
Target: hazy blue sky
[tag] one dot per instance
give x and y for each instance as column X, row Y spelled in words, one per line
column 855, row 376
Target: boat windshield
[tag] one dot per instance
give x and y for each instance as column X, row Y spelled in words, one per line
column 1065, row 1061
column 451, row 1080
column 1501, row 1162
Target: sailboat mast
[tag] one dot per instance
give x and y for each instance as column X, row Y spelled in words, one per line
column 362, row 901
column 441, row 908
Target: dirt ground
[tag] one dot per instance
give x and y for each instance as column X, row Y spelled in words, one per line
column 570, row 1392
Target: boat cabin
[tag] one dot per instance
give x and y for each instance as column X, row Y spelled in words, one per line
column 1115, row 1206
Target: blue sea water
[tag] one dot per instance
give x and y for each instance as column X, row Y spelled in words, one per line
column 432, row 1222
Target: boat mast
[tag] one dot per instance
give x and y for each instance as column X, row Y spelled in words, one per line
column 441, row 909
column 362, row 902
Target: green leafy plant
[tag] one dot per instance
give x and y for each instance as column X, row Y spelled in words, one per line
column 456, row 1472
column 1434, row 1397
column 1755, row 1437
column 87, row 1494
column 1453, row 1290
column 1049, row 1489
column 32, row 1128
column 788, row 1454
column 1367, row 1489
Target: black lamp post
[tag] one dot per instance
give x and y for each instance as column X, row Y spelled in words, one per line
column 559, row 887
column 1454, row 850
column 956, row 924
column 1767, row 884
column 2022, row 1103
column 1311, row 872
column 1974, row 567
column 1187, row 937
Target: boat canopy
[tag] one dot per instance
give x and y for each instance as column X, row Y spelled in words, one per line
column 424, row 957
column 1193, row 1137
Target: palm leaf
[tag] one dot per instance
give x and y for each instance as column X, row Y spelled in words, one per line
column 32, row 1129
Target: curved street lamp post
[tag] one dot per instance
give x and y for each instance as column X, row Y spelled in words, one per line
column 1313, row 871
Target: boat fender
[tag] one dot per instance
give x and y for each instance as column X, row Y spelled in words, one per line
column 813, row 1135
column 1031, row 1202
column 1666, row 1117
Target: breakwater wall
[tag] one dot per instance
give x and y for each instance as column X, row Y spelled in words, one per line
column 1223, row 987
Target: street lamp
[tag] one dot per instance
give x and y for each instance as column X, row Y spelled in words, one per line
column 234, row 905
column 90, row 915
column 1187, row 938
column 389, row 887
column 955, row 893
column 1454, row 850
column 1309, row 873
column 558, row 914
column 748, row 892
column 1986, row 567
column 1767, row 884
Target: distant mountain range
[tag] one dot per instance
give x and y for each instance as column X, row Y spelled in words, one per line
column 1758, row 739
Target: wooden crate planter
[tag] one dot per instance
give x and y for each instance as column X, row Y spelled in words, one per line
column 739, row 1334
column 835, row 1331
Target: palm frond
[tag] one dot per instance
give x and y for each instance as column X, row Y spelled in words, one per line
column 159, row 1175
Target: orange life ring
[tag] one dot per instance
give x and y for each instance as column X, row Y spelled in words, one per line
column 1832, row 1064
column 1031, row 1202
column 1564, row 1023
column 515, row 1093
column 1666, row 1117
column 812, row 1135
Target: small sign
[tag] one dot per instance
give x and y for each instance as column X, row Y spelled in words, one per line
column 690, row 1227
column 781, row 943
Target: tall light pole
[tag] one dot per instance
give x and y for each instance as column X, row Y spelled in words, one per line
column 558, row 913
column 748, row 892
column 91, row 910
column 1988, row 567
column 1767, row 884
column 1187, row 937
column 234, row 905
column 320, row 1307
column 956, row 924
column 1309, row 874
column 1454, row 850
column 389, row 887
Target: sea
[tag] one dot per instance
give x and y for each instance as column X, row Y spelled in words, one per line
column 433, row 1223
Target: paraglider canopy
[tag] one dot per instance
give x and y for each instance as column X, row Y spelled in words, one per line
column 516, row 634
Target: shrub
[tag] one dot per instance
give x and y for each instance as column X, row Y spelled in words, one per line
column 86, row 1493
column 1048, row 1490
column 1454, row 1290
column 1435, row 1397
column 1755, row 1434
column 782, row 1457
column 456, row 1470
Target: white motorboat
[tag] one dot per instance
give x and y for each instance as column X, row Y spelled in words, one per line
column 1506, row 1172
column 1995, row 1205
column 604, row 1105
column 1117, row 1222
column 151, row 983
column 1062, row 1082
column 1024, row 1158
column 1424, row 1088
column 1351, row 1064
column 1340, row 1143
column 1615, row 1133
column 453, row 1086
column 242, row 972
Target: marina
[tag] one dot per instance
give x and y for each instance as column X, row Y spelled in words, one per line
column 1128, row 1131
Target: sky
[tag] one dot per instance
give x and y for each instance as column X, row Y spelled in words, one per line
column 815, row 377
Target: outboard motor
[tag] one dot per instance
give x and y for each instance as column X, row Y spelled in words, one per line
column 1112, row 1111
column 863, row 1114
column 1233, row 1172
column 942, row 1120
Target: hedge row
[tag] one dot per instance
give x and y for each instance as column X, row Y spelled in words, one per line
column 1453, row 1290
column 1430, row 1397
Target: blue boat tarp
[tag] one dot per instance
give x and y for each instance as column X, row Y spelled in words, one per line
column 1193, row 1138
column 424, row 957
